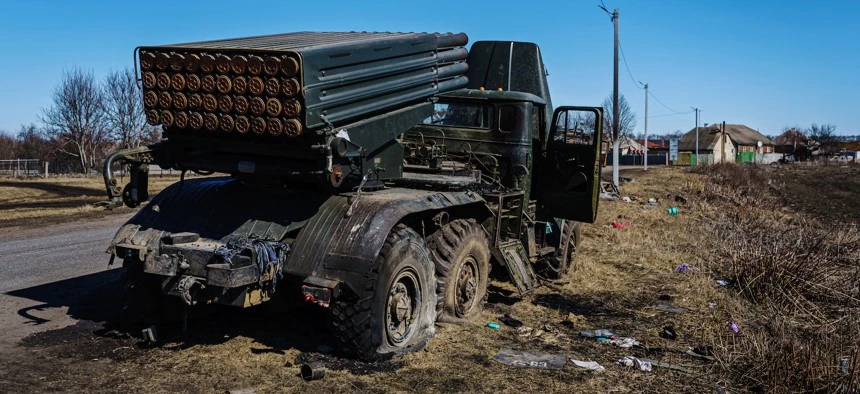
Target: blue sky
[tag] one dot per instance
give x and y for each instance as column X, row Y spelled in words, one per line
column 766, row 64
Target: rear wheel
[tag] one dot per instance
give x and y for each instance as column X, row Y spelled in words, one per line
column 462, row 256
column 395, row 310
column 562, row 262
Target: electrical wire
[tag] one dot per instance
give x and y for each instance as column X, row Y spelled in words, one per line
column 635, row 82
column 673, row 114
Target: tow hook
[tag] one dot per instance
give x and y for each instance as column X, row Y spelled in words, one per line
column 186, row 286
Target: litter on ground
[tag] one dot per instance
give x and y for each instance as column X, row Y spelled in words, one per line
column 517, row 358
column 629, row 361
column 592, row 365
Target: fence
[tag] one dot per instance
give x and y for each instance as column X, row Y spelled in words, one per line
column 23, row 167
column 656, row 159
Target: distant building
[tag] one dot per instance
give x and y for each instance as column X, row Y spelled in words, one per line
column 740, row 144
column 655, row 146
column 795, row 144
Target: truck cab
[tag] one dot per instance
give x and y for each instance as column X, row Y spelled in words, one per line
column 506, row 137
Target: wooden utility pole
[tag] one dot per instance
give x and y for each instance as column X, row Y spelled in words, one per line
column 723, row 145
column 646, row 126
column 616, row 123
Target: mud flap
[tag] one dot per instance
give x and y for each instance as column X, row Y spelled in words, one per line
column 513, row 255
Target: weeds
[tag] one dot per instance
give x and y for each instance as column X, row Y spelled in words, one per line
column 800, row 275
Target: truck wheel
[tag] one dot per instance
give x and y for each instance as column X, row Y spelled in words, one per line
column 563, row 260
column 462, row 256
column 394, row 310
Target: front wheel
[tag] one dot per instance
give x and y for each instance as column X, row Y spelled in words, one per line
column 562, row 261
column 395, row 312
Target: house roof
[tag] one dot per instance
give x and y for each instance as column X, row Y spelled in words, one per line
column 791, row 137
column 652, row 144
column 708, row 137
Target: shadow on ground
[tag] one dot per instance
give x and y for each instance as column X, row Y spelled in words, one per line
column 103, row 327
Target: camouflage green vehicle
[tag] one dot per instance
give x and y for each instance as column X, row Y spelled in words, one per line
column 377, row 175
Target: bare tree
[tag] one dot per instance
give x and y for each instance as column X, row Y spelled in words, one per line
column 825, row 136
column 7, row 146
column 32, row 144
column 76, row 118
column 626, row 116
column 124, row 109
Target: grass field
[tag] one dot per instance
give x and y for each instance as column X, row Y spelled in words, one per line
column 36, row 201
column 762, row 230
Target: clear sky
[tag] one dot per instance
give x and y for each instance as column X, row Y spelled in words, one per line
column 766, row 64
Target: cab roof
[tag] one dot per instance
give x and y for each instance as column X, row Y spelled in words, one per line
column 492, row 95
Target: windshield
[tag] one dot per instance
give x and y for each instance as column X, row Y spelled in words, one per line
column 461, row 115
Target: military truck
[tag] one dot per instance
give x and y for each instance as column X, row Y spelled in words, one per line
column 379, row 176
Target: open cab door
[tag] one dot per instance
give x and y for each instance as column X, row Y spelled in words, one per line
column 571, row 170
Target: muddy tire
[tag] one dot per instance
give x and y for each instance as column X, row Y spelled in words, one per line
column 394, row 312
column 461, row 253
column 563, row 261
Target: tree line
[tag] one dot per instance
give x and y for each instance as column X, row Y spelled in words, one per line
column 86, row 120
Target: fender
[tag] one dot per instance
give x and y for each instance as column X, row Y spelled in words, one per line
column 340, row 247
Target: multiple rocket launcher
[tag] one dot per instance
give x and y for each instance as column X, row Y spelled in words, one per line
column 286, row 84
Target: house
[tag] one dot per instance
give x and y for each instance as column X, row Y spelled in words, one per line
column 795, row 144
column 655, row 146
column 739, row 144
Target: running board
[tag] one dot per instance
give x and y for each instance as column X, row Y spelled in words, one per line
column 517, row 262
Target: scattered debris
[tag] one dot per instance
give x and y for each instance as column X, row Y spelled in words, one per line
column 619, row 225
column 312, row 371
column 625, row 180
column 702, row 352
column 680, row 199
column 661, row 364
column 510, row 321
column 149, row 334
column 670, row 308
column 843, row 366
column 601, row 333
column 672, row 211
column 626, row 199
column 607, row 196
column 668, row 333
column 684, row 267
column 494, row 326
column 534, row 360
column 622, row 342
column 665, row 297
column 722, row 282
column 592, row 365
column 650, row 204
column 712, row 304
column 734, row 327
column 629, row 361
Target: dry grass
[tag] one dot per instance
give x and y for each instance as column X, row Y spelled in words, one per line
column 32, row 201
column 622, row 275
column 798, row 271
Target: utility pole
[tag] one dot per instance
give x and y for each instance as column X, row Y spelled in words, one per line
column 723, row 144
column 616, row 123
column 646, row 126
column 697, row 134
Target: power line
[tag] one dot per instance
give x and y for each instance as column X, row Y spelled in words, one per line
column 635, row 82
column 674, row 114
column 666, row 106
